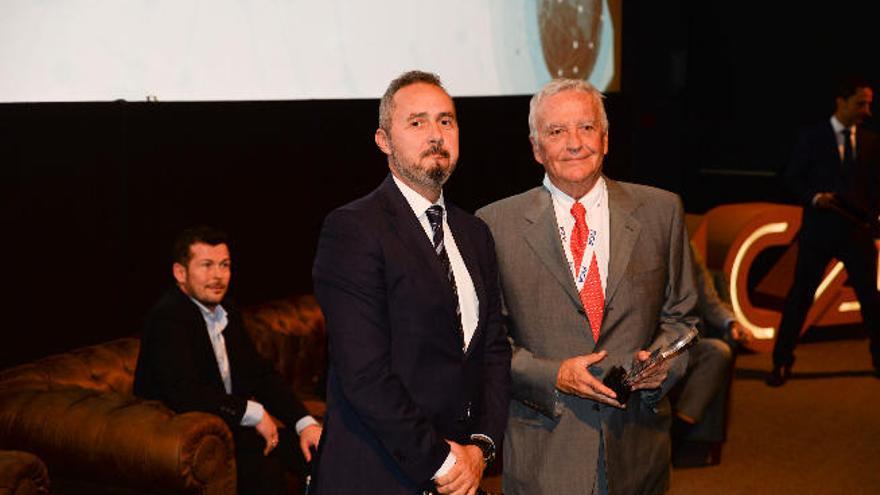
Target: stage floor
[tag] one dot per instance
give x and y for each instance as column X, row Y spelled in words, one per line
column 818, row 434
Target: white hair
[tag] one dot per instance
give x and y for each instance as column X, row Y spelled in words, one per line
column 557, row 86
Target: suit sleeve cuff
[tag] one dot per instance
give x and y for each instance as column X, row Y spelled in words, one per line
column 304, row 422
column 253, row 414
column 534, row 384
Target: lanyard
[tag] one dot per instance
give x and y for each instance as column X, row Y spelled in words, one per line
column 581, row 276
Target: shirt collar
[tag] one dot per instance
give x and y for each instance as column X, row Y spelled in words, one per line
column 838, row 127
column 217, row 317
column 589, row 200
column 416, row 201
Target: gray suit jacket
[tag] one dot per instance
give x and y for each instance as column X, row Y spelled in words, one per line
column 716, row 314
column 552, row 441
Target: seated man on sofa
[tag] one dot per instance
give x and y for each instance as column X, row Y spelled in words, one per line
column 196, row 356
column 700, row 398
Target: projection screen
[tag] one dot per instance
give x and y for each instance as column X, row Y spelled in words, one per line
column 189, row 50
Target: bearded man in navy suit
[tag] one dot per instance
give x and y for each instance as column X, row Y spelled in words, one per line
column 418, row 381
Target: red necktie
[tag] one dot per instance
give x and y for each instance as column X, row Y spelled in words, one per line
column 591, row 294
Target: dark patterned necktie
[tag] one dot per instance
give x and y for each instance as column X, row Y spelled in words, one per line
column 848, row 157
column 435, row 218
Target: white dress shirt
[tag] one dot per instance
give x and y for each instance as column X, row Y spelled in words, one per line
column 838, row 135
column 596, row 204
column 468, row 301
column 216, row 321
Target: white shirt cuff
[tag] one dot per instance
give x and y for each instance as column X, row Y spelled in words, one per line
column 253, row 414
column 304, row 422
column 446, row 466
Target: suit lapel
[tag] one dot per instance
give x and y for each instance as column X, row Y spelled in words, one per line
column 203, row 342
column 407, row 227
column 624, row 232
column 865, row 144
column 831, row 147
column 232, row 338
column 542, row 236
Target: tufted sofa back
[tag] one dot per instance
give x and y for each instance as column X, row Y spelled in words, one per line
column 107, row 367
column 290, row 333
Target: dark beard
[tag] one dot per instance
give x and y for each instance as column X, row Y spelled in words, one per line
column 433, row 176
column 437, row 174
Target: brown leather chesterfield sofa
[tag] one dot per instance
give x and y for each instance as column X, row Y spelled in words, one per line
column 22, row 473
column 76, row 411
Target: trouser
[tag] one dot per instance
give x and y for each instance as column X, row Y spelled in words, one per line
column 708, row 372
column 259, row 474
column 855, row 248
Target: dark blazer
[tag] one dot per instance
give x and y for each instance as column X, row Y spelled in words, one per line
column 816, row 167
column 399, row 382
column 176, row 365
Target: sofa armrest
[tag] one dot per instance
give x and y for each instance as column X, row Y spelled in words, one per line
column 119, row 440
column 22, row 473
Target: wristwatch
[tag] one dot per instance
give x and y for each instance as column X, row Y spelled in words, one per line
column 486, row 445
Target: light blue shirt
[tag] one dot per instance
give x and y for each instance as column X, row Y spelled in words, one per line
column 216, row 322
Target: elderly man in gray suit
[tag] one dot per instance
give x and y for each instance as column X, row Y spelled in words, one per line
column 594, row 272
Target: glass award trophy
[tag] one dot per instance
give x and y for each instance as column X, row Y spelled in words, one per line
column 620, row 380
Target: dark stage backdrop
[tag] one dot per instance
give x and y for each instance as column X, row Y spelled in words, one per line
column 95, row 192
column 91, row 194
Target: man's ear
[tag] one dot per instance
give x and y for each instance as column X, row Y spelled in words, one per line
column 179, row 272
column 383, row 141
column 536, row 150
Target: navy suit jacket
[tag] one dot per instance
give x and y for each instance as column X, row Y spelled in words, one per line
column 176, row 365
column 399, row 382
column 816, row 167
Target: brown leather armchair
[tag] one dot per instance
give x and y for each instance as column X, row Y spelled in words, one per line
column 290, row 333
column 77, row 412
column 22, row 473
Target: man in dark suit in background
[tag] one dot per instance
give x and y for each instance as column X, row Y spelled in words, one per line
column 417, row 388
column 196, row 356
column 834, row 171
